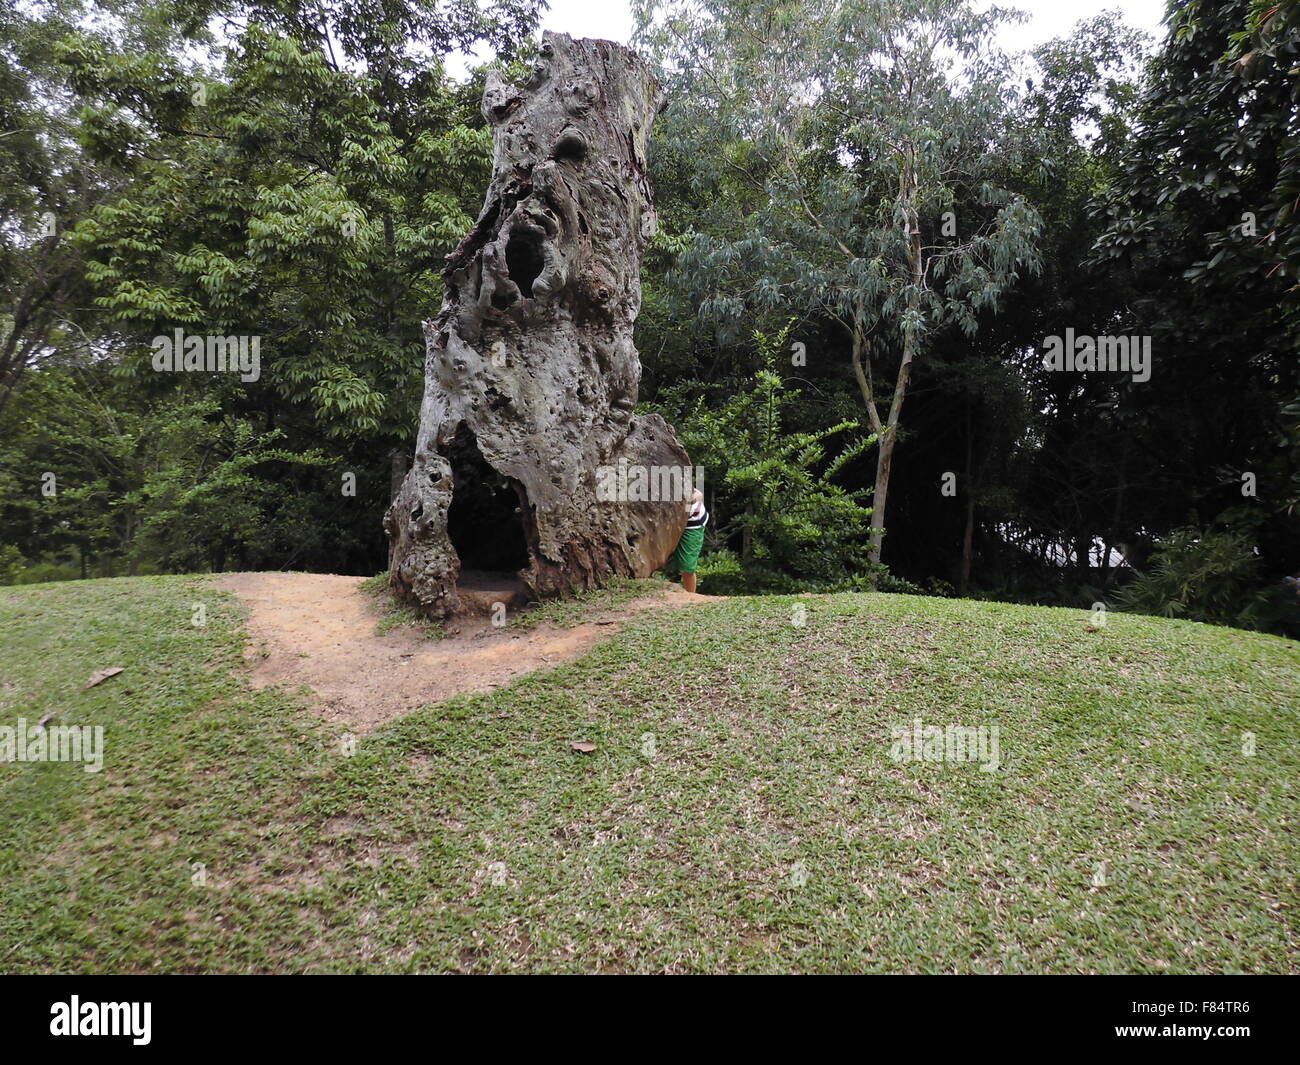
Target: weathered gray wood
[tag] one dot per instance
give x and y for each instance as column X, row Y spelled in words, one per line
column 530, row 374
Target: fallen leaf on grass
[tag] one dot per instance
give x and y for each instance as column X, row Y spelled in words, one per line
column 582, row 746
column 102, row 675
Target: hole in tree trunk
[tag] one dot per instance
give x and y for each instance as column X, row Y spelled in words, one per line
column 524, row 259
column 486, row 519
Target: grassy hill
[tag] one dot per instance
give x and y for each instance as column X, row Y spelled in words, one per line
column 741, row 810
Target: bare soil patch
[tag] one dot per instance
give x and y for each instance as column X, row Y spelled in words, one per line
column 318, row 630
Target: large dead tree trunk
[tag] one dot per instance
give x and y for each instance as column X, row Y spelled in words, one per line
column 530, row 374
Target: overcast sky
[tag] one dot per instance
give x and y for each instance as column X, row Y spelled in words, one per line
column 612, row 20
column 1050, row 18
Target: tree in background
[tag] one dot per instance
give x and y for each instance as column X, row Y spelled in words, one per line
column 46, row 185
column 278, row 170
column 288, row 192
column 842, row 137
column 1200, row 234
column 131, row 483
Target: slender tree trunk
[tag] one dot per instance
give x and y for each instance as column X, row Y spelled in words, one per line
column 916, row 278
column 133, row 560
column 1116, row 518
column 1083, row 558
column 37, row 309
column 396, row 475
column 888, row 441
column 861, row 359
column 884, row 463
column 968, row 486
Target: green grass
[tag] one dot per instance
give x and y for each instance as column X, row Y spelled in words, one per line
column 741, row 811
column 571, row 610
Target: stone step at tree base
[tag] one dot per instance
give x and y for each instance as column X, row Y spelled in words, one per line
column 480, row 590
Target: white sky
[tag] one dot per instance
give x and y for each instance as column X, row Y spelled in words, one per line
column 1051, row 18
column 612, row 20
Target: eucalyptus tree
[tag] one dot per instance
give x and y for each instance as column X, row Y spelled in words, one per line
column 856, row 146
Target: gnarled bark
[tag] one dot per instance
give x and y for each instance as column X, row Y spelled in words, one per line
column 530, row 374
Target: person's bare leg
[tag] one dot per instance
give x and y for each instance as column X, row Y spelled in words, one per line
column 688, row 581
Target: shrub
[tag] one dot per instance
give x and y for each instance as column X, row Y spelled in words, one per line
column 774, row 492
column 1210, row 576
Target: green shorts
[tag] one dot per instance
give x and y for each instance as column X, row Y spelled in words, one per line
column 687, row 553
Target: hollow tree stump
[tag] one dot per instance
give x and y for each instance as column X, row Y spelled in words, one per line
column 531, row 375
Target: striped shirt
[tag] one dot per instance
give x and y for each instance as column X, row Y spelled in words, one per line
column 699, row 516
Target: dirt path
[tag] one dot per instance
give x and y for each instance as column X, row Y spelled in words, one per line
column 319, row 630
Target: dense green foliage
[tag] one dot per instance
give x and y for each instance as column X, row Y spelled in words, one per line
column 284, row 174
column 1124, row 167
column 773, row 486
column 926, row 209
